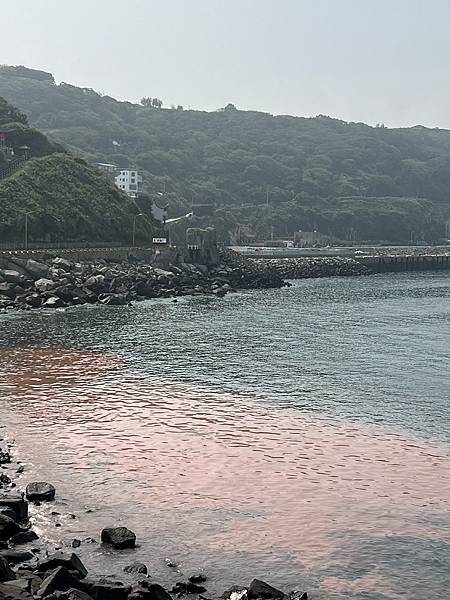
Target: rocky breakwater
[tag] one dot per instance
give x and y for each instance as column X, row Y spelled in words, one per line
column 309, row 267
column 57, row 282
column 32, row 569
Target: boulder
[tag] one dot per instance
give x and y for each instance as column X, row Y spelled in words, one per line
column 136, row 567
column 11, row 276
column 24, row 537
column 8, row 290
column 119, row 537
column 5, row 457
column 54, row 302
column 62, row 263
column 149, row 591
column 36, row 269
column 40, row 491
column 33, row 300
column 197, row 578
column 70, row 561
column 113, row 299
column 16, row 556
column 60, row 580
column 187, row 587
column 96, row 283
column 6, row 573
column 8, row 527
column 15, row 502
column 8, row 512
column 44, row 285
column 260, row 589
column 110, row 590
column 297, row 595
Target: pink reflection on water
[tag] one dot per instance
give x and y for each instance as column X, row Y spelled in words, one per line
column 293, row 482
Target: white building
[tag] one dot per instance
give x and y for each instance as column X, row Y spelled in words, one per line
column 129, row 181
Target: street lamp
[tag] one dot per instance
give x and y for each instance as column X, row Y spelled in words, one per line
column 134, row 226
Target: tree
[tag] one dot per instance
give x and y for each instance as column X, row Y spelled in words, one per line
column 146, row 101
column 230, row 107
column 157, row 103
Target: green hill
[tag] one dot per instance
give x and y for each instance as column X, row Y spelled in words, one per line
column 269, row 173
column 65, row 198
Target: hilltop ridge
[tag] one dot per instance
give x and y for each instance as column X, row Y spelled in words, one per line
column 262, row 172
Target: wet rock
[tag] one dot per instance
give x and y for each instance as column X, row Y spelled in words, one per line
column 6, row 573
column 197, row 578
column 8, row 290
column 260, row 589
column 24, row 537
column 15, row 502
column 149, row 591
column 113, row 299
column 70, row 561
column 5, row 457
column 33, row 300
column 62, row 263
column 235, row 591
column 8, row 512
column 187, row 587
column 60, row 580
column 16, row 556
column 75, row 543
column 110, row 591
column 11, row 276
column 4, row 480
column 8, row 527
column 136, row 567
column 40, row 491
column 119, row 537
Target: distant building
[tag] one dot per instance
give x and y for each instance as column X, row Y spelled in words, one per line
column 129, row 181
column 5, row 148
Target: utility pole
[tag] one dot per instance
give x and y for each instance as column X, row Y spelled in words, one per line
column 134, row 227
column 267, row 196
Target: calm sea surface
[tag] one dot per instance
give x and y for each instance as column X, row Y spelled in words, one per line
column 299, row 435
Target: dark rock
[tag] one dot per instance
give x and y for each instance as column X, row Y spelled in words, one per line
column 119, row 537
column 6, row 573
column 5, row 457
column 15, row 502
column 40, row 491
column 8, row 512
column 260, row 589
column 70, row 561
column 62, row 263
column 110, row 590
column 24, row 537
column 197, row 578
column 113, row 299
column 4, row 480
column 149, row 591
column 187, row 587
column 136, row 567
column 36, row 269
column 60, row 580
column 8, row 290
column 11, row 276
column 34, row 300
column 11, row 592
column 75, row 543
column 16, row 556
column 8, row 527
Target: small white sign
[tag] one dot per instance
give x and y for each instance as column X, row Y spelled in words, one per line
column 160, row 240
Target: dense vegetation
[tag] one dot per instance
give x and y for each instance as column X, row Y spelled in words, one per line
column 263, row 172
column 65, row 198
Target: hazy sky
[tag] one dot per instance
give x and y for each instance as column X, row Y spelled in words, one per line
column 359, row 60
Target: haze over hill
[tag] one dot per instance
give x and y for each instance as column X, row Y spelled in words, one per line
column 270, row 174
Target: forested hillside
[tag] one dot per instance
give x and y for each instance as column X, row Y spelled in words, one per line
column 267, row 172
column 65, row 198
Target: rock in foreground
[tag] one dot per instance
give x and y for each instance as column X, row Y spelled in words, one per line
column 119, row 537
column 40, row 491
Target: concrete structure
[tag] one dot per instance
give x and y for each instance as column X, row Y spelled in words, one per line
column 129, row 181
column 202, row 246
column 306, row 239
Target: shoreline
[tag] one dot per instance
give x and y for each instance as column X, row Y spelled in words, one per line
column 32, row 567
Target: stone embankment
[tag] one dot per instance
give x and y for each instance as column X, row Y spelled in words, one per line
column 57, row 282
column 303, row 268
column 32, row 569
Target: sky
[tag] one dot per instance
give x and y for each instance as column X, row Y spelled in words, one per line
column 376, row 61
